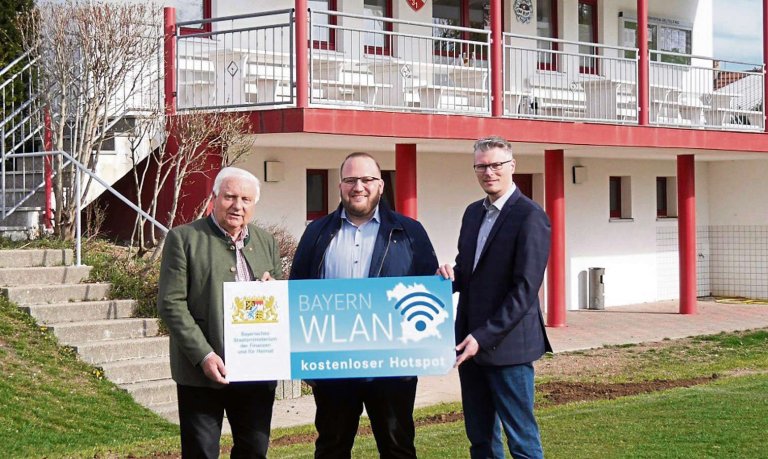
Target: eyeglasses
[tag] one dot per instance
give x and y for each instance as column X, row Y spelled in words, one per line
column 366, row 181
column 495, row 167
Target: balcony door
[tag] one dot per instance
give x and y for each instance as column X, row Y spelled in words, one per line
column 475, row 14
column 323, row 35
column 588, row 34
column 191, row 10
column 546, row 27
column 378, row 40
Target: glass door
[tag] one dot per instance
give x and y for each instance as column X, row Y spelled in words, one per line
column 588, row 34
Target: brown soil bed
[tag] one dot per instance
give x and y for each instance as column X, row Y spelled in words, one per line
column 561, row 392
column 554, row 393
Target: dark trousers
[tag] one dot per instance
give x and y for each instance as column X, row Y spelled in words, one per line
column 249, row 412
column 389, row 404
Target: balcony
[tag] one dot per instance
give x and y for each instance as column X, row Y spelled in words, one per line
column 357, row 62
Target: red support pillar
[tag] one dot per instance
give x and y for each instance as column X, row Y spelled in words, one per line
column 48, row 171
column 765, row 51
column 169, row 62
column 405, row 192
column 643, row 62
column 497, row 59
column 554, row 202
column 302, row 60
column 169, row 31
column 686, row 227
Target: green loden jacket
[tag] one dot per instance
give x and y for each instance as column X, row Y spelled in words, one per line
column 197, row 260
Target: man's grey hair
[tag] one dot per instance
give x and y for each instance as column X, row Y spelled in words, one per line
column 236, row 172
column 491, row 142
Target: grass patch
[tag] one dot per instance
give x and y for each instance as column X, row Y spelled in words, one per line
column 54, row 405
column 131, row 277
column 45, row 242
column 722, row 419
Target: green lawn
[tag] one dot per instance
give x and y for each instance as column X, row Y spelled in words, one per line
column 728, row 418
column 52, row 405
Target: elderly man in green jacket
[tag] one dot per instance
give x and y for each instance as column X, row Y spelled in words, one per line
column 197, row 259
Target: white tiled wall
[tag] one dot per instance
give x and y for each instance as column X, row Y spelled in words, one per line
column 732, row 260
column 739, row 260
column 667, row 262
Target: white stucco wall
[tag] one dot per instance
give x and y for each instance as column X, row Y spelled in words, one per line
column 446, row 185
column 739, row 190
column 627, row 248
column 640, row 256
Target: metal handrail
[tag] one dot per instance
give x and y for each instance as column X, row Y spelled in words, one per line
column 10, row 65
column 400, row 21
column 235, row 17
column 568, row 42
column 705, row 58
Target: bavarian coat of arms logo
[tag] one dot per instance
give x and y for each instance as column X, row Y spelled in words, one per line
column 254, row 310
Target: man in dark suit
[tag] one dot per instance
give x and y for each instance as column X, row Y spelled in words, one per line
column 503, row 251
column 197, row 259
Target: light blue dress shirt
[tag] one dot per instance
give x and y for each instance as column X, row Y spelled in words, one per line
column 349, row 254
column 492, row 211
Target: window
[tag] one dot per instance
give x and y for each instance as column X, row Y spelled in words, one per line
column 620, row 198
column 666, row 197
column 474, row 14
column 378, row 41
column 525, row 183
column 317, row 193
column 546, row 27
column 389, row 188
column 588, row 34
column 191, row 10
column 323, row 34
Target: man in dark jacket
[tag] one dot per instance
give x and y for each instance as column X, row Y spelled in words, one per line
column 364, row 238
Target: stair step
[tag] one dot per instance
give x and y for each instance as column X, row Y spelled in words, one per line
column 27, row 217
column 40, row 294
column 100, row 352
column 151, row 393
column 81, row 310
column 168, row 410
column 23, row 179
column 28, row 258
column 137, row 370
column 15, row 195
column 44, row 275
column 83, row 332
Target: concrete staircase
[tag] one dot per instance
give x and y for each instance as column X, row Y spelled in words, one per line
column 130, row 351
column 45, row 284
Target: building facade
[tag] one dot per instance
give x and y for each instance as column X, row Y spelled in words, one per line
column 649, row 166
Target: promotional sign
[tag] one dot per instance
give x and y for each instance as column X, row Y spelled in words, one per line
column 338, row 328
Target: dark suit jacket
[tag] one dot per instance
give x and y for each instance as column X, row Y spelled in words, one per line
column 197, row 260
column 499, row 300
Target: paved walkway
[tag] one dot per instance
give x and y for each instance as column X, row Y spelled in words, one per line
column 584, row 330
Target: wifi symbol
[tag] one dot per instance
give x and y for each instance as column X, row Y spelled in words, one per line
column 422, row 307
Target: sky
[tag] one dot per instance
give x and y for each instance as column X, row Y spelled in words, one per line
column 738, row 30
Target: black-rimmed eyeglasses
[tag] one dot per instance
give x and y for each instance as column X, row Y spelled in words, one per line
column 495, row 167
column 366, row 181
